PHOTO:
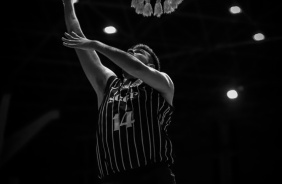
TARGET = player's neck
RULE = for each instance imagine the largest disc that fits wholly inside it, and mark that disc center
(127, 77)
(129, 80)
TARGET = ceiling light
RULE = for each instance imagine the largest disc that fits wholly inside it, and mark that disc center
(235, 10)
(258, 37)
(232, 94)
(110, 30)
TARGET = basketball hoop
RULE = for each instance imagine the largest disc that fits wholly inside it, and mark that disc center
(145, 8)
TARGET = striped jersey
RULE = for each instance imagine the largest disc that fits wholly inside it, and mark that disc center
(132, 128)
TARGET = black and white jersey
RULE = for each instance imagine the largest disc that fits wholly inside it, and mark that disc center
(132, 128)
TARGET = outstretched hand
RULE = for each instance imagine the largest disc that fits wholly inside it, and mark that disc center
(75, 41)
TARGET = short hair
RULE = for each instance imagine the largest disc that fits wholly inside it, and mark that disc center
(154, 57)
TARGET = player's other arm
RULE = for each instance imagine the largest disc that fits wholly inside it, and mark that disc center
(95, 71)
(129, 63)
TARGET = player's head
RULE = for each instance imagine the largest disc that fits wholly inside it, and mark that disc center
(146, 51)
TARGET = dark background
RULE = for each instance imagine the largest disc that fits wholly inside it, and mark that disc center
(204, 49)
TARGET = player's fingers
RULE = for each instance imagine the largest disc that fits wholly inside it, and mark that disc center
(71, 45)
(75, 35)
(69, 40)
(69, 36)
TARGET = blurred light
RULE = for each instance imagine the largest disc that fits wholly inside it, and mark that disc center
(258, 37)
(235, 10)
(75, 1)
(110, 30)
(232, 94)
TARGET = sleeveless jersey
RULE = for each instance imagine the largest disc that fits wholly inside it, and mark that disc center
(132, 128)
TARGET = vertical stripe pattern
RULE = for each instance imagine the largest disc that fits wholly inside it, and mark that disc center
(132, 128)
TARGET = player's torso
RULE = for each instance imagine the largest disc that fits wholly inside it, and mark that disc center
(131, 127)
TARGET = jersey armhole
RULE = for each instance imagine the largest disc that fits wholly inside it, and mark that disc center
(107, 88)
(109, 83)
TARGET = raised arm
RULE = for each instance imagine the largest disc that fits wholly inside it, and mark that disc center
(96, 73)
(134, 65)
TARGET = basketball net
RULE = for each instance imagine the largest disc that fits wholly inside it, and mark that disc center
(145, 8)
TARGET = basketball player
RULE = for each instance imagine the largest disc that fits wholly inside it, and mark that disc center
(134, 112)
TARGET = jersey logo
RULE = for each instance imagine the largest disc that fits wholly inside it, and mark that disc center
(118, 97)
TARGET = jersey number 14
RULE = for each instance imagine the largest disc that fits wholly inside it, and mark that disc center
(126, 120)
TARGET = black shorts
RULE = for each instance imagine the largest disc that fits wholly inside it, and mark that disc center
(149, 175)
